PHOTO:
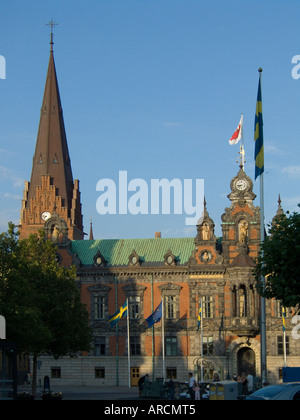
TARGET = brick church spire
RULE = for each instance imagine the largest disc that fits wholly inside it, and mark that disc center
(51, 191)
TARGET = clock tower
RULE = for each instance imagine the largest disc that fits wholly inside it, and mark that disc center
(51, 200)
(241, 221)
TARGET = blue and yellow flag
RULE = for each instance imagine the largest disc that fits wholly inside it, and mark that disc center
(258, 134)
(283, 319)
(121, 313)
(199, 316)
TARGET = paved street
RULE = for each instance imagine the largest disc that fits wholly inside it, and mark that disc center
(91, 393)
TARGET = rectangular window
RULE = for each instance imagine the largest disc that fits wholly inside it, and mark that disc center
(99, 346)
(134, 307)
(208, 346)
(135, 346)
(56, 373)
(280, 345)
(170, 307)
(171, 346)
(207, 307)
(99, 373)
(171, 372)
(99, 307)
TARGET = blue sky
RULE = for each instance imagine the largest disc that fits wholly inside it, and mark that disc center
(155, 88)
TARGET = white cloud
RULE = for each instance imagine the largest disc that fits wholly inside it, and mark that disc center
(7, 152)
(292, 171)
(273, 150)
(291, 203)
(9, 174)
(12, 196)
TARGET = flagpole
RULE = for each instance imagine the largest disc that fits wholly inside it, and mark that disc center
(201, 323)
(284, 336)
(263, 300)
(117, 336)
(242, 146)
(128, 344)
(163, 337)
(153, 342)
(284, 348)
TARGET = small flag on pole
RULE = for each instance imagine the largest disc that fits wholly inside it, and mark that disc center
(283, 319)
(121, 313)
(155, 316)
(237, 135)
(258, 133)
(199, 316)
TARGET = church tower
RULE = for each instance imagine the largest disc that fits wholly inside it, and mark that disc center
(51, 200)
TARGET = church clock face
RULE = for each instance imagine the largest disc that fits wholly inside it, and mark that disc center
(46, 215)
(241, 185)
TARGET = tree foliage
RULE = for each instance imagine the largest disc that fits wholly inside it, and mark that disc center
(40, 299)
(279, 261)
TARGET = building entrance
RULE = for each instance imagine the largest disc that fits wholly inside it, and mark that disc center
(246, 361)
(134, 376)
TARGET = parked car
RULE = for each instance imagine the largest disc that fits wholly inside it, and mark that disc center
(289, 391)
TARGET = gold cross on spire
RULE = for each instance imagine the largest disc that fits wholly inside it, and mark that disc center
(51, 24)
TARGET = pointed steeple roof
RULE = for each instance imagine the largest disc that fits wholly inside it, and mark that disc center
(279, 213)
(91, 237)
(51, 195)
(51, 154)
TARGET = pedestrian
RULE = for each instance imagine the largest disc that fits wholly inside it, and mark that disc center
(196, 389)
(27, 378)
(249, 382)
(192, 381)
(244, 383)
(216, 377)
(171, 385)
(147, 385)
(141, 384)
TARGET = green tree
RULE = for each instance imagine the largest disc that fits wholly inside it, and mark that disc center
(279, 261)
(40, 299)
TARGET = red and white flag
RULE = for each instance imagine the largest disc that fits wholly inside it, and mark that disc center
(237, 135)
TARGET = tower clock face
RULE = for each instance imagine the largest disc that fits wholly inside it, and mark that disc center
(46, 215)
(241, 185)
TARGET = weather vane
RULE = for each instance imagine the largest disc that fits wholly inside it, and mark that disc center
(51, 24)
(242, 160)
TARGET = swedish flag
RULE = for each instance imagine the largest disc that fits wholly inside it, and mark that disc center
(121, 313)
(258, 134)
(199, 316)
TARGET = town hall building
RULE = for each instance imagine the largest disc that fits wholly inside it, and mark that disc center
(215, 273)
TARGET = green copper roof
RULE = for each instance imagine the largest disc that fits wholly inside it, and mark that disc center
(117, 251)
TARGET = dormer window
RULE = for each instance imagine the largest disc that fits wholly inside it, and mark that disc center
(134, 259)
(99, 260)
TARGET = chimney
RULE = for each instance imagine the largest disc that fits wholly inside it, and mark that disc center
(157, 235)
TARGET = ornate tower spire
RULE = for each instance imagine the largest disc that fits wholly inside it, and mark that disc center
(51, 189)
(51, 24)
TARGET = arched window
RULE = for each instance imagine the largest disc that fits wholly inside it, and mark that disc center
(242, 302)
